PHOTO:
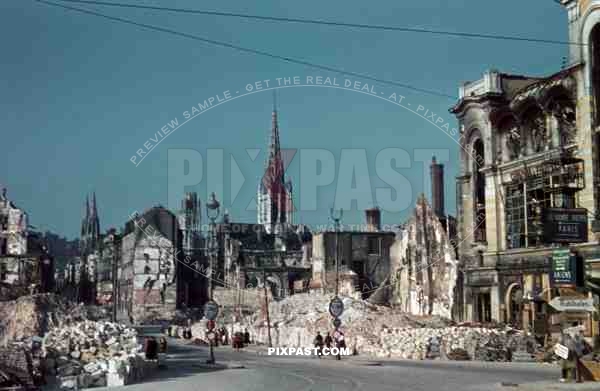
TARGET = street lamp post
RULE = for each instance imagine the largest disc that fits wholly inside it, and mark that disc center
(212, 211)
(336, 220)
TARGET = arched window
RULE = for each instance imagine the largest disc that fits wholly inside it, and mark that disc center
(535, 128)
(595, 66)
(509, 139)
(479, 190)
(563, 111)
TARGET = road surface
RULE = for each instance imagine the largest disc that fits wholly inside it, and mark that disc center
(187, 371)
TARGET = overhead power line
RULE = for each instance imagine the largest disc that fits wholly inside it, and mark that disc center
(253, 51)
(461, 34)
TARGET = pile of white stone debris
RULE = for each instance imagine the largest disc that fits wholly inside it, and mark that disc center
(385, 332)
(93, 354)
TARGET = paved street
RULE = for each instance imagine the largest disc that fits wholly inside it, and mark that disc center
(188, 371)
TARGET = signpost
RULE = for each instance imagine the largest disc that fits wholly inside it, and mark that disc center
(572, 304)
(336, 307)
(211, 310)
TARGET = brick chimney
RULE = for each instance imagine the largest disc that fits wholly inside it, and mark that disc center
(373, 217)
(437, 188)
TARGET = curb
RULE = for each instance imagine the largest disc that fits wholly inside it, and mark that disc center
(225, 365)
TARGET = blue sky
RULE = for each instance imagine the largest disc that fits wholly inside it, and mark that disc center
(80, 95)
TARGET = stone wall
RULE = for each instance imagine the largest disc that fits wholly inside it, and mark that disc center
(424, 265)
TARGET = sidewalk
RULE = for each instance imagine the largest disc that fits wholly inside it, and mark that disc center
(552, 386)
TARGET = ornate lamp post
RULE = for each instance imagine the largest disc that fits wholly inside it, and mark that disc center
(212, 211)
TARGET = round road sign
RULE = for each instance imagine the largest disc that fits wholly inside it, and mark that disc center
(337, 323)
(336, 307)
(211, 335)
(211, 310)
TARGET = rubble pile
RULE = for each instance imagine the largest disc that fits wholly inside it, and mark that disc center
(383, 331)
(12, 291)
(93, 354)
(16, 368)
(33, 315)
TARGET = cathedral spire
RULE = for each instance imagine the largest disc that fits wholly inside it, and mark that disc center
(94, 209)
(275, 146)
(87, 206)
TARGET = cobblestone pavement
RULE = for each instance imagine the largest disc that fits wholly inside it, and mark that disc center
(246, 371)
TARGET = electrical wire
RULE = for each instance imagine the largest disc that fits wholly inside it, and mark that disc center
(461, 34)
(292, 60)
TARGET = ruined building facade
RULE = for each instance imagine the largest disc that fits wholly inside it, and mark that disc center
(363, 259)
(150, 248)
(527, 145)
(424, 264)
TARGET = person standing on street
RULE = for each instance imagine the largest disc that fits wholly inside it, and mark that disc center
(567, 365)
(246, 337)
(581, 349)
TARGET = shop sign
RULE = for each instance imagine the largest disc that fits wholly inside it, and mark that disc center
(562, 225)
(563, 267)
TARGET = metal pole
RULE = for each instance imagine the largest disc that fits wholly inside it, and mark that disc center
(267, 307)
(336, 221)
(211, 359)
(337, 266)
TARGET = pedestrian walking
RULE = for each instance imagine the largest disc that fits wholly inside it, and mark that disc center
(318, 342)
(246, 337)
(328, 341)
(237, 341)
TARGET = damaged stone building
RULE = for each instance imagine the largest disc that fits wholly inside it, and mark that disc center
(425, 276)
(274, 248)
(425, 264)
(529, 147)
(363, 259)
(250, 254)
(27, 257)
(149, 247)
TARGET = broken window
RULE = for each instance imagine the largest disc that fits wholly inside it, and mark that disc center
(374, 246)
(551, 185)
(510, 136)
(563, 111)
(535, 126)
(479, 187)
(515, 216)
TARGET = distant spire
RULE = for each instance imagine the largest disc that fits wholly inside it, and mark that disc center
(94, 209)
(87, 206)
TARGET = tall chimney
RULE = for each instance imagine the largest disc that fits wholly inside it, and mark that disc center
(373, 216)
(437, 188)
